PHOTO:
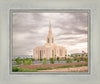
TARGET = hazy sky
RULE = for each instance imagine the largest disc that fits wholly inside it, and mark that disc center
(31, 29)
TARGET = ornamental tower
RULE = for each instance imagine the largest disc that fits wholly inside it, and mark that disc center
(50, 38)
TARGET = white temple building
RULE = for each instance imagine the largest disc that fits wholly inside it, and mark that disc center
(49, 49)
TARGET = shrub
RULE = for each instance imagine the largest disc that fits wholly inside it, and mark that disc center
(86, 60)
(40, 59)
(27, 62)
(17, 69)
(86, 55)
(69, 60)
(45, 61)
(32, 59)
(57, 58)
(18, 61)
(21, 59)
(27, 58)
(82, 55)
(78, 60)
(52, 60)
(75, 59)
(71, 55)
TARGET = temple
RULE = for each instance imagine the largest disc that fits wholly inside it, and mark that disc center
(49, 49)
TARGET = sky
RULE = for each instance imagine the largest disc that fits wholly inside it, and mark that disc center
(31, 29)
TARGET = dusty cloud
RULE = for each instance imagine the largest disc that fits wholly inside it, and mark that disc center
(31, 29)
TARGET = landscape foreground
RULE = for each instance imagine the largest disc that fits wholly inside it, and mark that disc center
(66, 67)
(68, 64)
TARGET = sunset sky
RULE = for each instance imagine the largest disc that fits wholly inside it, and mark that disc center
(31, 29)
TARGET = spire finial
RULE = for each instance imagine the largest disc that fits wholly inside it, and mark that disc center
(50, 31)
(49, 23)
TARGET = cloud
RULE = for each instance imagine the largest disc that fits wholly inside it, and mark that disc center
(31, 29)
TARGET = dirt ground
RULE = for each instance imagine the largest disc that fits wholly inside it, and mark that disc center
(76, 69)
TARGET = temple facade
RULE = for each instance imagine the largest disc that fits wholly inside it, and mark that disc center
(49, 49)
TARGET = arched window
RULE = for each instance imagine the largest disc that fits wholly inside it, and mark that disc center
(60, 52)
(52, 53)
(40, 54)
(48, 40)
(52, 40)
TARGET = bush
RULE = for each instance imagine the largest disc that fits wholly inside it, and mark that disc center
(45, 61)
(57, 58)
(82, 55)
(18, 60)
(32, 59)
(86, 60)
(27, 61)
(72, 55)
(69, 60)
(21, 59)
(40, 59)
(51, 60)
(75, 59)
(17, 69)
(78, 60)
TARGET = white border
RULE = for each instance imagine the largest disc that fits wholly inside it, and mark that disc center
(6, 78)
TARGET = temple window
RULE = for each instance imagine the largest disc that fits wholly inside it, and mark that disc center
(60, 52)
(52, 53)
(48, 40)
(40, 53)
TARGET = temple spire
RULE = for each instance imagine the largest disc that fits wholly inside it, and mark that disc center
(50, 31)
(50, 38)
(50, 24)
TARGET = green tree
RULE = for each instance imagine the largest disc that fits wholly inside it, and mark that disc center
(69, 60)
(86, 59)
(71, 55)
(40, 59)
(78, 59)
(27, 61)
(18, 61)
(75, 59)
(82, 55)
(52, 60)
(27, 58)
(86, 55)
(57, 58)
(32, 59)
(45, 61)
